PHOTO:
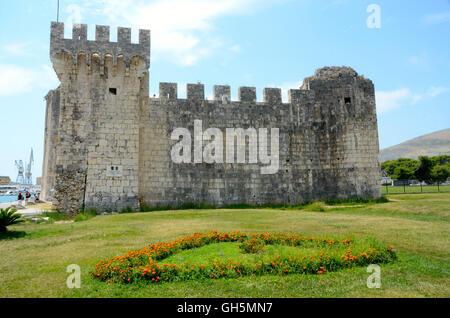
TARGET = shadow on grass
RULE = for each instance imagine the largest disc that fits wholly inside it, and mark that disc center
(9, 235)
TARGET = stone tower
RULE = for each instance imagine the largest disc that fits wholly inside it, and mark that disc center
(92, 139)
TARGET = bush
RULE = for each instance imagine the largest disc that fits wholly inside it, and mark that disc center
(8, 217)
(194, 205)
(127, 209)
(316, 207)
(55, 216)
(147, 208)
(86, 215)
(312, 206)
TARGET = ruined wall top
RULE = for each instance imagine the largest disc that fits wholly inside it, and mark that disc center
(323, 77)
(335, 71)
(102, 44)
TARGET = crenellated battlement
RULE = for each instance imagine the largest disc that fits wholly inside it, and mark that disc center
(102, 46)
(222, 93)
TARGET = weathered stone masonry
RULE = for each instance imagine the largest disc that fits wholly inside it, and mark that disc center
(107, 144)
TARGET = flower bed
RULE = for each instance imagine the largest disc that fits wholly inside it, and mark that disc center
(142, 265)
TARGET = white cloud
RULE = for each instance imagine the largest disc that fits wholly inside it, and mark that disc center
(421, 60)
(235, 48)
(389, 100)
(436, 18)
(16, 49)
(435, 91)
(15, 79)
(74, 14)
(182, 30)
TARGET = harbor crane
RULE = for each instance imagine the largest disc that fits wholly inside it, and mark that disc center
(28, 174)
(20, 178)
(24, 176)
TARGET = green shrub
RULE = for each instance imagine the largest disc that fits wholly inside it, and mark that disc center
(127, 209)
(185, 206)
(55, 216)
(193, 205)
(381, 199)
(8, 217)
(316, 207)
(147, 208)
(86, 215)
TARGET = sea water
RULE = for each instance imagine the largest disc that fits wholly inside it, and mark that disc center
(7, 198)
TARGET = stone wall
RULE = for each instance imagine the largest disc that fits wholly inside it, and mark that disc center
(50, 140)
(328, 143)
(108, 145)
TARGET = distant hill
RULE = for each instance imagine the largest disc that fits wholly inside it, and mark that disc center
(437, 143)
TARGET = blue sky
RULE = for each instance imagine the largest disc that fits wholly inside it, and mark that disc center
(262, 43)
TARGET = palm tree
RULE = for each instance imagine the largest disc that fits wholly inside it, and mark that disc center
(8, 217)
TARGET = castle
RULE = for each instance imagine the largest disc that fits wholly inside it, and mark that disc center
(108, 145)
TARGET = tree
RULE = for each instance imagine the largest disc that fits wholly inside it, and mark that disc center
(389, 166)
(8, 217)
(440, 160)
(402, 173)
(423, 172)
(439, 174)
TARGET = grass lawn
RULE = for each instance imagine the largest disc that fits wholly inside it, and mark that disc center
(33, 258)
(230, 251)
(415, 189)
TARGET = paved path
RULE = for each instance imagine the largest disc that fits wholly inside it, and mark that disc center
(29, 210)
